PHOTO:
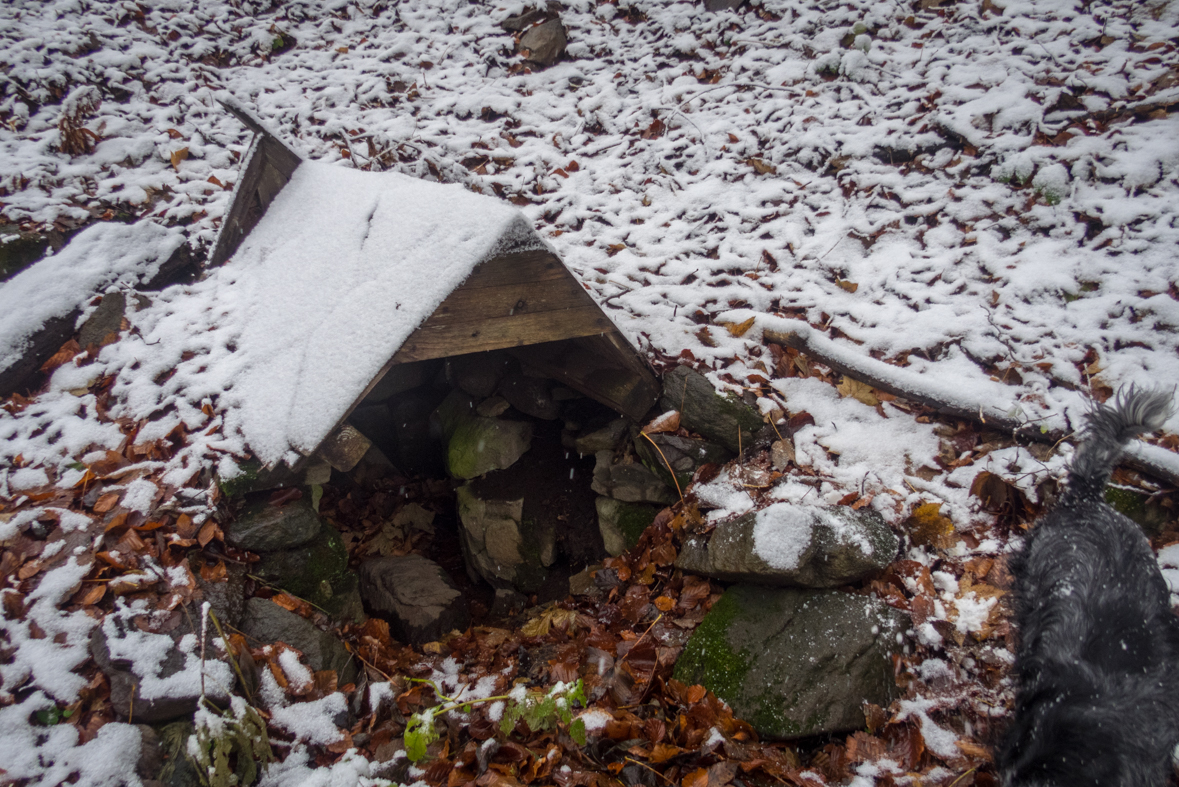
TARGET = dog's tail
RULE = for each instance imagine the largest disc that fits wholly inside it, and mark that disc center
(1134, 412)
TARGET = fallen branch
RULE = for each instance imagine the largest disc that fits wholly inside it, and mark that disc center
(901, 382)
(1157, 462)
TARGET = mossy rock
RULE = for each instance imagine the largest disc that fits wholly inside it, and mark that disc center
(256, 478)
(19, 249)
(1149, 514)
(723, 419)
(345, 604)
(312, 571)
(264, 527)
(623, 524)
(795, 662)
(793, 545)
(683, 454)
(477, 445)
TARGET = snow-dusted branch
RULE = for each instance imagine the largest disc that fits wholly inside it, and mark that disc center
(914, 387)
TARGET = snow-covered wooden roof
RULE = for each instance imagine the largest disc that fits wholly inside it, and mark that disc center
(347, 273)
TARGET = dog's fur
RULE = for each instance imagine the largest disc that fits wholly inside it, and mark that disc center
(1097, 698)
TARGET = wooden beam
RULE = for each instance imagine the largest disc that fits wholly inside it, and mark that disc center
(439, 339)
(603, 367)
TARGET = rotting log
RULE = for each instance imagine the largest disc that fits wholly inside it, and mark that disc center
(57, 331)
(877, 374)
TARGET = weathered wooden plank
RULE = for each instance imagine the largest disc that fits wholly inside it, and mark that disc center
(268, 170)
(473, 305)
(603, 367)
(519, 267)
(438, 339)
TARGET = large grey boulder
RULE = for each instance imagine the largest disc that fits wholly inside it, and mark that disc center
(476, 445)
(267, 622)
(499, 545)
(156, 677)
(263, 527)
(790, 544)
(622, 524)
(629, 481)
(421, 600)
(795, 662)
(708, 413)
(683, 454)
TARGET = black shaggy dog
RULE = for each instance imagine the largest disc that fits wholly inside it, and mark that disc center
(1097, 699)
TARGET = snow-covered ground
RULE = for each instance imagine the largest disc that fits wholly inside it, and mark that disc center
(984, 193)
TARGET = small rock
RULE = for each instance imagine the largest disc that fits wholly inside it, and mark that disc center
(607, 438)
(267, 622)
(344, 447)
(373, 466)
(155, 677)
(728, 421)
(493, 407)
(531, 396)
(795, 662)
(629, 481)
(421, 599)
(790, 544)
(622, 524)
(722, 5)
(782, 454)
(105, 320)
(508, 602)
(263, 527)
(317, 473)
(583, 583)
(544, 44)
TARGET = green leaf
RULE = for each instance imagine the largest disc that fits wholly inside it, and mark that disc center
(577, 732)
(49, 717)
(420, 733)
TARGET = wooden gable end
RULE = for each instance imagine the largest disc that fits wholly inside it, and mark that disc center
(513, 300)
